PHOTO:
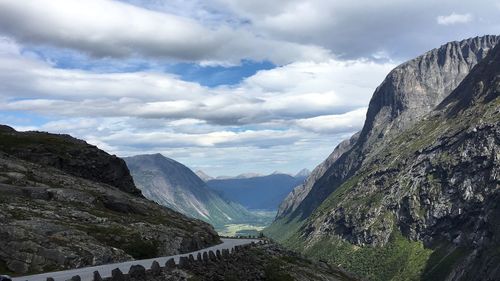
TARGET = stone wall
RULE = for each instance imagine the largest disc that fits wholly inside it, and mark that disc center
(171, 270)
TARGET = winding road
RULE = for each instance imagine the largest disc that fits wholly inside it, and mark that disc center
(87, 273)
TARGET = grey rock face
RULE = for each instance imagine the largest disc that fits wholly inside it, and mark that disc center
(293, 199)
(438, 183)
(408, 93)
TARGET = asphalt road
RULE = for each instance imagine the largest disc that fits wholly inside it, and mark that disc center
(87, 273)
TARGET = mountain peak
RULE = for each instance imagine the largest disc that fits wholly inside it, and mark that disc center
(304, 173)
(202, 175)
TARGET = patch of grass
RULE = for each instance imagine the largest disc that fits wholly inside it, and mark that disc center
(283, 229)
(121, 238)
(140, 249)
(273, 271)
(240, 230)
(441, 262)
(4, 270)
(401, 259)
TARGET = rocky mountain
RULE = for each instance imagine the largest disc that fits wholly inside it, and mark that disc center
(261, 263)
(297, 195)
(408, 92)
(202, 175)
(174, 185)
(256, 193)
(304, 173)
(416, 195)
(58, 211)
(70, 155)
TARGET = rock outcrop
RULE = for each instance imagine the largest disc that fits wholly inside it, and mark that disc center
(51, 219)
(71, 155)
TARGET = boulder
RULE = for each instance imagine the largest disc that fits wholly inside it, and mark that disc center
(117, 275)
(137, 272)
(170, 264)
(155, 268)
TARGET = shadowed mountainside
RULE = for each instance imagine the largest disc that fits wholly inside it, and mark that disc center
(174, 185)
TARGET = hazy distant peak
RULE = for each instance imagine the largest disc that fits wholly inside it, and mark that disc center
(202, 175)
(247, 175)
(304, 173)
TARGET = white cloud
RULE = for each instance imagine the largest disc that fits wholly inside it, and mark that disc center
(297, 90)
(264, 119)
(454, 18)
(354, 29)
(342, 123)
(105, 28)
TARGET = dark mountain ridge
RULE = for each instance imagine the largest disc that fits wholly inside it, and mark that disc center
(70, 155)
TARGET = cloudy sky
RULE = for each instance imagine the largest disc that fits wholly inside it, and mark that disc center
(226, 86)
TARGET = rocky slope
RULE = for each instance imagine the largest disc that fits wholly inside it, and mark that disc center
(73, 156)
(408, 92)
(257, 262)
(174, 185)
(51, 219)
(256, 193)
(423, 203)
(294, 198)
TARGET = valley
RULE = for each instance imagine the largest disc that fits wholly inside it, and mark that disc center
(173, 140)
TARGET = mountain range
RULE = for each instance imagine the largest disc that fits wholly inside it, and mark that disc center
(174, 185)
(415, 194)
(257, 192)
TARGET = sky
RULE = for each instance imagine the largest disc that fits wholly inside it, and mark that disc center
(225, 86)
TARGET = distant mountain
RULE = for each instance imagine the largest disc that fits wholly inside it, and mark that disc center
(202, 175)
(174, 185)
(256, 193)
(304, 173)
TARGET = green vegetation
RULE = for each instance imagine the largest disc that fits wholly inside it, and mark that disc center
(122, 238)
(273, 271)
(250, 226)
(401, 259)
(441, 262)
(240, 230)
(4, 269)
(281, 230)
(140, 249)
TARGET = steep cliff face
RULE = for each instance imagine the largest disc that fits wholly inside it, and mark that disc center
(174, 185)
(294, 198)
(51, 219)
(68, 154)
(407, 94)
(426, 204)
